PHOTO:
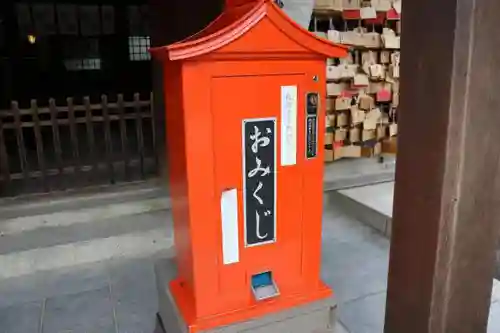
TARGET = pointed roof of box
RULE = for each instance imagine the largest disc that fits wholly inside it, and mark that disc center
(231, 32)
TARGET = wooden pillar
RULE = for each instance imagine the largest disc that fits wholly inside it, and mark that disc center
(447, 195)
(172, 21)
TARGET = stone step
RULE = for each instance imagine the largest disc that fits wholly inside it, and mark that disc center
(61, 230)
(371, 205)
(129, 245)
(140, 194)
(52, 234)
(80, 216)
(59, 240)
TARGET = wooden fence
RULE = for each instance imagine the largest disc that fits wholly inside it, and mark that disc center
(57, 147)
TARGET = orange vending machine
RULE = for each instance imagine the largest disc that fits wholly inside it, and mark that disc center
(245, 130)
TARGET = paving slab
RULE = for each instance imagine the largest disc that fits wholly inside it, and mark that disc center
(23, 318)
(134, 295)
(340, 328)
(90, 311)
(365, 315)
(50, 284)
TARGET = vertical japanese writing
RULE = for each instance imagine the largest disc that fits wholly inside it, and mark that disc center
(312, 100)
(289, 110)
(311, 132)
(259, 175)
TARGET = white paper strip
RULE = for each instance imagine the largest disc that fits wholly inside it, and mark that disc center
(288, 125)
(229, 215)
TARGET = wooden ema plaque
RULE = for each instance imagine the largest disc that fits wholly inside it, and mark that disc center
(245, 127)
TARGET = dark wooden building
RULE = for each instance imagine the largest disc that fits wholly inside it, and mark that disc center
(56, 50)
(76, 83)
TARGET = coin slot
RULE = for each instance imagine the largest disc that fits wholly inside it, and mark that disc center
(263, 286)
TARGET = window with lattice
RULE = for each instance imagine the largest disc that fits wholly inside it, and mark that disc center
(82, 54)
(138, 48)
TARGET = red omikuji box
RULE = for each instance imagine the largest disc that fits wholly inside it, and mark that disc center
(245, 128)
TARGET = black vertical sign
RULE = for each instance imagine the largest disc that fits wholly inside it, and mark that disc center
(312, 125)
(259, 180)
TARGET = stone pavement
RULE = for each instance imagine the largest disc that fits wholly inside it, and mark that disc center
(372, 205)
(120, 295)
(113, 296)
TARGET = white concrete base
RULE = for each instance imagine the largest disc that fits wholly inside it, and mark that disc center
(316, 317)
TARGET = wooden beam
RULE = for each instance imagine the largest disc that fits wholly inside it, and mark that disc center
(446, 206)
